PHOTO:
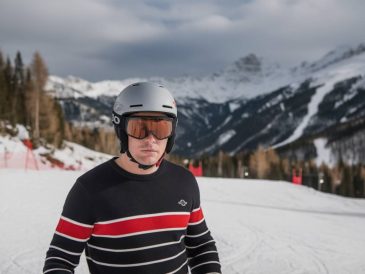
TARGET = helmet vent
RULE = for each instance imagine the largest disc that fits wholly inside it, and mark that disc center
(135, 85)
(166, 106)
(134, 106)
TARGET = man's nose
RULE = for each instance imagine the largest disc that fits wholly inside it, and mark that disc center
(151, 137)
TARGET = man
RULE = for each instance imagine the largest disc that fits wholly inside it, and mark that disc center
(137, 213)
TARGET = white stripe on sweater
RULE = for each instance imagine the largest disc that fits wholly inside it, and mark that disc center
(137, 264)
(70, 237)
(210, 262)
(62, 259)
(142, 216)
(198, 235)
(213, 251)
(196, 223)
(75, 222)
(54, 269)
(200, 244)
(176, 270)
(137, 248)
(138, 233)
(65, 251)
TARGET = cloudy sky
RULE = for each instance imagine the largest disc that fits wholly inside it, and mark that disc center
(114, 39)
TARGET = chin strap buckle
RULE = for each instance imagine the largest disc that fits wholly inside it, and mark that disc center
(142, 166)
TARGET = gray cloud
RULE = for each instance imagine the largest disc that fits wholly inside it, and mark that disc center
(113, 39)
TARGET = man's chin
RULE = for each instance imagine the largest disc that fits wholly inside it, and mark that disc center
(148, 160)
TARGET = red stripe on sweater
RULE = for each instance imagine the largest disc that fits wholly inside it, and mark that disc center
(143, 224)
(74, 230)
(196, 216)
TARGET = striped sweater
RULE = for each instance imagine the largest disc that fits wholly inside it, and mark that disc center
(129, 223)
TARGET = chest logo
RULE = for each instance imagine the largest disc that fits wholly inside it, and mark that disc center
(182, 202)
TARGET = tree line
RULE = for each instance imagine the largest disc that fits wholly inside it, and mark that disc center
(23, 100)
(265, 163)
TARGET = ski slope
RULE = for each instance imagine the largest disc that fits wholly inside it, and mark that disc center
(260, 226)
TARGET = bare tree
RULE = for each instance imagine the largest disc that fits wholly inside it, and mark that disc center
(39, 74)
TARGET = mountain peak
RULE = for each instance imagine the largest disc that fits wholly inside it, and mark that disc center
(250, 63)
(250, 69)
(246, 69)
(337, 55)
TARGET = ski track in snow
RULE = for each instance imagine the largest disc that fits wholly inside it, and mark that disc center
(260, 226)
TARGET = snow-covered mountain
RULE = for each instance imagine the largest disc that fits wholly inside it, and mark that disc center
(248, 103)
(247, 77)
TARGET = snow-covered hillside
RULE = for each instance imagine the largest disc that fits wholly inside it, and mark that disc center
(260, 226)
(15, 154)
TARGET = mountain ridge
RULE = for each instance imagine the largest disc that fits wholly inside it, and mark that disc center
(283, 105)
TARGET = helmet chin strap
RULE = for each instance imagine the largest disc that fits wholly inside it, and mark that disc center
(142, 166)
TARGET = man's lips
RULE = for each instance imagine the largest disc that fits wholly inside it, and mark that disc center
(149, 150)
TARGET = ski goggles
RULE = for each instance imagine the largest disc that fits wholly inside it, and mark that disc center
(141, 127)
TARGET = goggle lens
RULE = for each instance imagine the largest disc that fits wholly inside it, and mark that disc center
(141, 127)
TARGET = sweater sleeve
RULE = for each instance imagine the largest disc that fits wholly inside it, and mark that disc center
(200, 245)
(72, 232)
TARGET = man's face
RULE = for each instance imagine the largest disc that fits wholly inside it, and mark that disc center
(149, 150)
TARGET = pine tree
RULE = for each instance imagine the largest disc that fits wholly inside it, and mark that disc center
(2, 63)
(3, 91)
(7, 74)
(18, 106)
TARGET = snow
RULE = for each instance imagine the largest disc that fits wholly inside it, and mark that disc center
(14, 154)
(348, 96)
(324, 154)
(260, 226)
(359, 85)
(229, 118)
(77, 87)
(282, 106)
(75, 154)
(224, 137)
(355, 89)
(22, 132)
(233, 106)
(245, 115)
(340, 53)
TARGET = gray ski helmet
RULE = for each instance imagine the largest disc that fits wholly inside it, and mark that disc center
(142, 97)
